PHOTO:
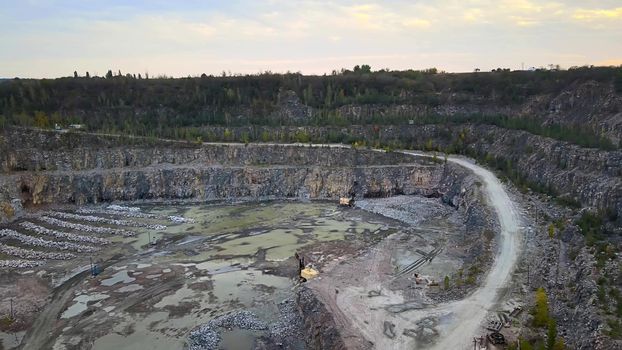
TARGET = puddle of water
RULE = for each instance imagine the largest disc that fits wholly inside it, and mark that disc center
(241, 286)
(141, 338)
(11, 340)
(129, 288)
(120, 276)
(238, 339)
(174, 299)
(80, 304)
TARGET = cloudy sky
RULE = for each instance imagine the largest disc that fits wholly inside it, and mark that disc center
(188, 37)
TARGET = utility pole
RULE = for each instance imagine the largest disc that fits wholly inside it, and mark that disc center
(12, 315)
(536, 215)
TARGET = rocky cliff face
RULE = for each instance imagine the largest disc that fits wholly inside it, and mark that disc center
(589, 104)
(52, 168)
(590, 176)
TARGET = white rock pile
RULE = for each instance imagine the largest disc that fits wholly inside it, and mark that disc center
(33, 254)
(19, 264)
(135, 214)
(64, 235)
(39, 242)
(125, 214)
(85, 228)
(107, 221)
(116, 207)
(180, 220)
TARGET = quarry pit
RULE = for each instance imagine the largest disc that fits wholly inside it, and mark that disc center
(199, 253)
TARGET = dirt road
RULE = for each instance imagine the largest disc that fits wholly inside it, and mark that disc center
(464, 317)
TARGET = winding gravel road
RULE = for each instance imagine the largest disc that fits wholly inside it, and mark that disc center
(464, 317)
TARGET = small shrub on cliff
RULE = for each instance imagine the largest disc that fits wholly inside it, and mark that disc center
(551, 230)
(245, 137)
(615, 329)
(559, 344)
(6, 322)
(302, 137)
(7, 209)
(591, 226)
(227, 134)
(446, 282)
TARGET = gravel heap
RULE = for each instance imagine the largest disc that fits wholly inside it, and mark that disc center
(64, 235)
(39, 242)
(20, 264)
(134, 214)
(289, 323)
(207, 336)
(123, 208)
(123, 213)
(85, 228)
(33, 254)
(108, 221)
(180, 220)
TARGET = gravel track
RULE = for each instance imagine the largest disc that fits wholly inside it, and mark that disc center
(467, 315)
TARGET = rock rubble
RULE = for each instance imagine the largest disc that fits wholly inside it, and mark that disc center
(64, 235)
(108, 221)
(39, 242)
(33, 254)
(85, 228)
(19, 264)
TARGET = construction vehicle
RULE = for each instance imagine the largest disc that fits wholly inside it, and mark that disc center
(346, 201)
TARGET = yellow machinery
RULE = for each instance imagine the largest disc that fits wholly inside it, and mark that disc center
(309, 273)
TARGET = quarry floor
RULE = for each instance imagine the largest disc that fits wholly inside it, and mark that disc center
(211, 260)
(376, 308)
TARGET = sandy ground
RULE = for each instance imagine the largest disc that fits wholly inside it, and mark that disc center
(370, 314)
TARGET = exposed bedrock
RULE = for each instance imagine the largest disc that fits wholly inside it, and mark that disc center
(206, 183)
(588, 175)
(48, 168)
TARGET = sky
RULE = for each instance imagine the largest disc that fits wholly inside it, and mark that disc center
(47, 39)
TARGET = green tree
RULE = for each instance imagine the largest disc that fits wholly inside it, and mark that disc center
(41, 120)
(541, 309)
(245, 137)
(559, 344)
(109, 74)
(446, 282)
(551, 334)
